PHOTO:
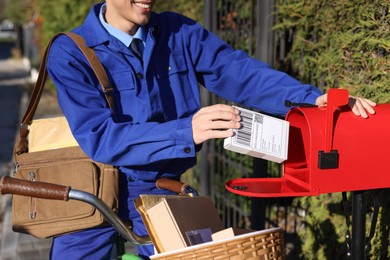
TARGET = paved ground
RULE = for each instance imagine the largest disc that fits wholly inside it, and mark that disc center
(14, 78)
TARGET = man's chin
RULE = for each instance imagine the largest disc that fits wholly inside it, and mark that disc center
(143, 21)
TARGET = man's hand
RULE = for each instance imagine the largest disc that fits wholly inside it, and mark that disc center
(360, 106)
(215, 121)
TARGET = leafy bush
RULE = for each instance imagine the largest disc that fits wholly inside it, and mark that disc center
(340, 44)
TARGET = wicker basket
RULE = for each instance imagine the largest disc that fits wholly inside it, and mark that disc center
(265, 244)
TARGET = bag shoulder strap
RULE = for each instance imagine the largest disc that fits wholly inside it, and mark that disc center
(97, 67)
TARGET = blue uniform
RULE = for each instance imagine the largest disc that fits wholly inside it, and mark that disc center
(151, 134)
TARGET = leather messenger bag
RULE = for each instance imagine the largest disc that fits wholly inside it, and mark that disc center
(59, 159)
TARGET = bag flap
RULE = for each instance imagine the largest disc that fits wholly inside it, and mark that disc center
(50, 133)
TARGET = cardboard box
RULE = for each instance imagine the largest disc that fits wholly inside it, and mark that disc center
(229, 233)
(145, 218)
(261, 136)
(184, 221)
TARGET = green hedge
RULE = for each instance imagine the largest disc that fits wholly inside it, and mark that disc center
(340, 43)
(67, 15)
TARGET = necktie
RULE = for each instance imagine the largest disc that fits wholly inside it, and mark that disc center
(135, 46)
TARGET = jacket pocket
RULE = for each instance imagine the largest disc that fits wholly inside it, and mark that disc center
(124, 80)
(171, 64)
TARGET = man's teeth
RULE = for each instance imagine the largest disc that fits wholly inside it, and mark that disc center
(143, 5)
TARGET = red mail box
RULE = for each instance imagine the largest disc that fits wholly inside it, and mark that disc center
(330, 150)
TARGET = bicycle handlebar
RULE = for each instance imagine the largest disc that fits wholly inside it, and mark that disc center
(41, 190)
(51, 191)
(175, 186)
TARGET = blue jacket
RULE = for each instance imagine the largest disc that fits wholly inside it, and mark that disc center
(151, 135)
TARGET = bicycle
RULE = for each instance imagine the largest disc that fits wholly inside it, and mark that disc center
(267, 244)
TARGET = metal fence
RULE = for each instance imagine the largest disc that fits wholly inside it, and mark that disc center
(246, 25)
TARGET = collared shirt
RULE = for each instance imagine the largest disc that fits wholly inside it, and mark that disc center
(125, 38)
(151, 134)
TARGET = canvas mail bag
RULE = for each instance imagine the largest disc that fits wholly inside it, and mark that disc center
(55, 157)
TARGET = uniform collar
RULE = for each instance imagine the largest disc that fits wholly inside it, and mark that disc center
(125, 38)
(94, 32)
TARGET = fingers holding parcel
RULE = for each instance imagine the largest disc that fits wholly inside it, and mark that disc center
(222, 117)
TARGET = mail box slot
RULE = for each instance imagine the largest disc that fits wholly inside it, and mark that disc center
(330, 150)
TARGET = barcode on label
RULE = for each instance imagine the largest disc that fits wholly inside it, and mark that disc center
(260, 136)
(244, 134)
(259, 118)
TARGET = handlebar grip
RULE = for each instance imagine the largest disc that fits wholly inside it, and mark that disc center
(34, 189)
(171, 185)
